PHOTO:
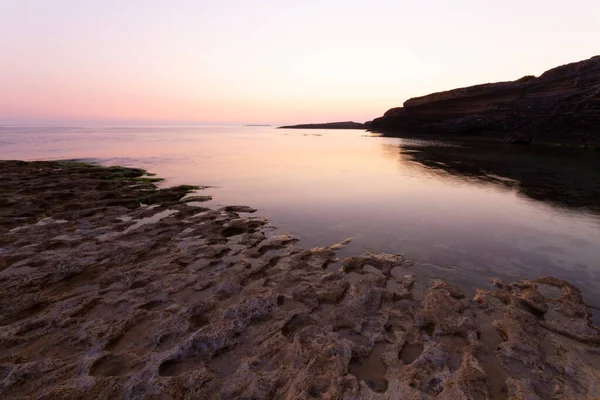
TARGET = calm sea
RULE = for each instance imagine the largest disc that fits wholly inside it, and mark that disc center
(464, 213)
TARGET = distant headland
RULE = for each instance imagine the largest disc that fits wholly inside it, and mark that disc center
(560, 106)
(328, 125)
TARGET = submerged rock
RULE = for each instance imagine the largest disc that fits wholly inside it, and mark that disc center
(239, 209)
(205, 304)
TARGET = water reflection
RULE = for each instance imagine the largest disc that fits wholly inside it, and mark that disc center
(566, 178)
(464, 213)
(503, 211)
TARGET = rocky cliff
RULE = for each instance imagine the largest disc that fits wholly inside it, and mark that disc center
(562, 105)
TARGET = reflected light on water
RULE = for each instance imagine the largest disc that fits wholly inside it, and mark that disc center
(462, 213)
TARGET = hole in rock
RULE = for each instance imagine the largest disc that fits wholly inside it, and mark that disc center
(488, 334)
(372, 369)
(176, 367)
(138, 284)
(549, 292)
(296, 323)
(198, 321)
(165, 341)
(429, 329)
(108, 366)
(410, 352)
(496, 375)
(169, 368)
(332, 266)
(274, 260)
(539, 315)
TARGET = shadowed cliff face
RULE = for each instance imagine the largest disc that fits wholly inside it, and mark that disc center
(559, 177)
(562, 105)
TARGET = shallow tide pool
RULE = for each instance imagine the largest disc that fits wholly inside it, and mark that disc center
(461, 212)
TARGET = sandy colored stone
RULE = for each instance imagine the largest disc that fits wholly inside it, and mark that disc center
(187, 307)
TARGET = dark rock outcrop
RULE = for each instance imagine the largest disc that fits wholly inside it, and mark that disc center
(562, 105)
(328, 125)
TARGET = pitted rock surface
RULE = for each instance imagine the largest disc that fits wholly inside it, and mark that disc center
(105, 299)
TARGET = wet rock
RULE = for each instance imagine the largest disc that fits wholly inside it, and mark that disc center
(167, 195)
(239, 209)
(445, 315)
(240, 226)
(454, 291)
(199, 199)
(383, 262)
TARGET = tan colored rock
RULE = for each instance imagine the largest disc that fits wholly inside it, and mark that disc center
(182, 308)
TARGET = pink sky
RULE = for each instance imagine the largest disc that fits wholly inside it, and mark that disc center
(189, 61)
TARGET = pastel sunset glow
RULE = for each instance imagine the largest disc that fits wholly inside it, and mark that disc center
(190, 61)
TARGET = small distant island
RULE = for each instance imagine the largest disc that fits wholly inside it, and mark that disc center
(329, 125)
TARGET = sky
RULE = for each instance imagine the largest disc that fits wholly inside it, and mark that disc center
(151, 62)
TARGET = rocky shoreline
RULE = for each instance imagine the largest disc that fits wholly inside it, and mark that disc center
(113, 288)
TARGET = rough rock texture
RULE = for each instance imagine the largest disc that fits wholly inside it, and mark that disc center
(173, 301)
(328, 125)
(562, 105)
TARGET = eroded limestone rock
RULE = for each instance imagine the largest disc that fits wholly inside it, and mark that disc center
(204, 303)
